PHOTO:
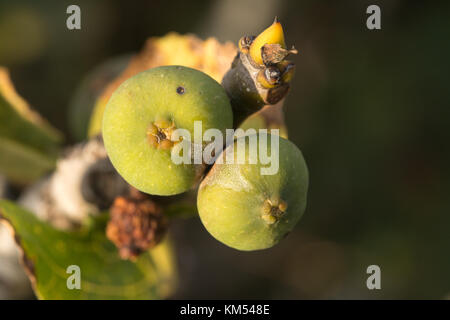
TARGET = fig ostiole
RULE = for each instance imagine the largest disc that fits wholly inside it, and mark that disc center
(141, 116)
(247, 210)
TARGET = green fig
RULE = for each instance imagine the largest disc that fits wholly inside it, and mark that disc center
(142, 116)
(246, 209)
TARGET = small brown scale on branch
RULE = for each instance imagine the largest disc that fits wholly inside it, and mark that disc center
(259, 75)
(136, 224)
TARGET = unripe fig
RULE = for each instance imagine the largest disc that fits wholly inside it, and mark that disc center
(142, 115)
(247, 210)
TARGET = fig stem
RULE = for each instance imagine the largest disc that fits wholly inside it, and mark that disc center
(247, 90)
(240, 85)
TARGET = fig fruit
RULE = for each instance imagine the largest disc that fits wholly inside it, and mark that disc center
(143, 113)
(247, 210)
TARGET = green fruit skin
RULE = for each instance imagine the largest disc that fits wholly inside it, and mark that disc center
(231, 198)
(150, 96)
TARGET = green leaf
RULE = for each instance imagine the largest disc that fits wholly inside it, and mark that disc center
(21, 163)
(48, 253)
(28, 145)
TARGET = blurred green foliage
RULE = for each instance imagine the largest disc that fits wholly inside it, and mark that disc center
(49, 253)
(28, 145)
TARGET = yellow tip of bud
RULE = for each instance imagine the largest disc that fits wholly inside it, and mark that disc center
(272, 35)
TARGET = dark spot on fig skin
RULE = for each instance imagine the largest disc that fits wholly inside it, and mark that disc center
(161, 135)
(180, 90)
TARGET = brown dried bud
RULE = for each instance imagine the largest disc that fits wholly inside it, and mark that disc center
(245, 42)
(274, 53)
(136, 224)
(269, 77)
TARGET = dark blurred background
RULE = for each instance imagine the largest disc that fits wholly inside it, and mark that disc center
(369, 109)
